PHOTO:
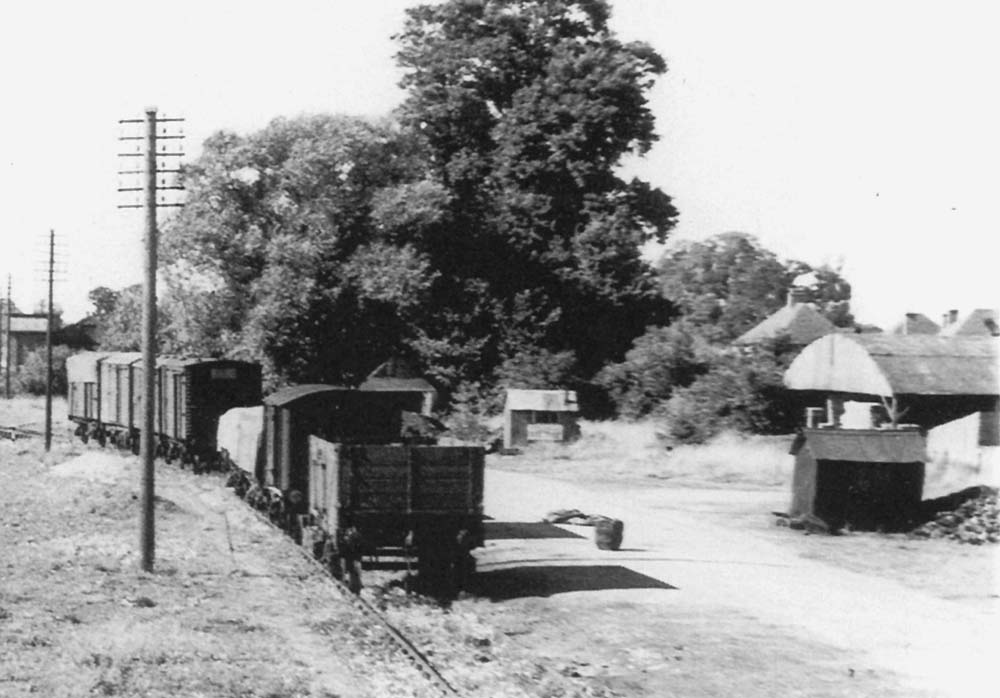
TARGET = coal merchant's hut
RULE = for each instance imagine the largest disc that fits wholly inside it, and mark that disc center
(866, 479)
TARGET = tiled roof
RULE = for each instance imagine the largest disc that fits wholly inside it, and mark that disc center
(800, 322)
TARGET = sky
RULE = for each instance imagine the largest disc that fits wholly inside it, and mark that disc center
(858, 134)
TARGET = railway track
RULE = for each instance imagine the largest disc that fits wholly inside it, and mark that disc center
(396, 636)
(15, 433)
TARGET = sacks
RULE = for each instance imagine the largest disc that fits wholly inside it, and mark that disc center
(608, 533)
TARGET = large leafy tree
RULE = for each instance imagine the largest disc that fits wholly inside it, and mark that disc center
(726, 284)
(526, 107)
(281, 257)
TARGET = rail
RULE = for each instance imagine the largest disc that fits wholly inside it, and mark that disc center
(402, 643)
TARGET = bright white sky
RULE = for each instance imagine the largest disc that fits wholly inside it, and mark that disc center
(858, 132)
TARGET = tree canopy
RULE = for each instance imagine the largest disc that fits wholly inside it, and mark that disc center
(526, 109)
(727, 283)
(280, 258)
(484, 232)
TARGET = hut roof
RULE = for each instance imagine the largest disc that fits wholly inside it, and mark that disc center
(915, 323)
(881, 364)
(541, 400)
(801, 322)
(980, 322)
(863, 445)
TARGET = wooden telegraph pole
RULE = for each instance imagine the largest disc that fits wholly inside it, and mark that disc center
(48, 344)
(150, 187)
(6, 339)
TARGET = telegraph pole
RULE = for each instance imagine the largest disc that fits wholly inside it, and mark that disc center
(6, 340)
(48, 344)
(149, 189)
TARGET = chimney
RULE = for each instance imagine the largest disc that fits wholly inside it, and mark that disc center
(952, 317)
(797, 294)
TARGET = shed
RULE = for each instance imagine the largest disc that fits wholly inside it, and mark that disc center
(539, 415)
(935, 379)
(867, 479)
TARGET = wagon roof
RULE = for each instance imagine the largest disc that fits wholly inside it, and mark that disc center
(82, 367)
(863, 445)
(285, 396)
(881, 364)
(175, 361)
(397, 385)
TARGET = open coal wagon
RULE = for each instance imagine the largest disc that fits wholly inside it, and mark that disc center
(425, 502)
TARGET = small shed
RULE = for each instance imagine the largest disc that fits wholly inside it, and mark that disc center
(868, 479)
(539, 415)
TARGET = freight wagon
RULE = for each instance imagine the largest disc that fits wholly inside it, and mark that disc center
(425, 501)
(336, 467)
(105, 400)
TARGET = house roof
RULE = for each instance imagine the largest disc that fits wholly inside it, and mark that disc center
(915, 323)
(800, 322)
(863, 445)
(541, 400)
(980, 322)
(884, 365)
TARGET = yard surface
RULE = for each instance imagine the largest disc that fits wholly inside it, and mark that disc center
(706, 598)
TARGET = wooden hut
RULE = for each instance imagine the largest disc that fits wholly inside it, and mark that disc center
(867, 479)
(539, 415)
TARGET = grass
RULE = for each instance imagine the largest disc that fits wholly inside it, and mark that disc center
(632, 452)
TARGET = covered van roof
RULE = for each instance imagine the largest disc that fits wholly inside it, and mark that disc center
(297, 392)
(885, 365)
(863, 445)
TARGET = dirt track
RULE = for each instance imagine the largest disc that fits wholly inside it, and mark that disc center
(677, 564)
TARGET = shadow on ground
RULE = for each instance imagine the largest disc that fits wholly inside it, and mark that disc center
(546, 580)
(515, 530)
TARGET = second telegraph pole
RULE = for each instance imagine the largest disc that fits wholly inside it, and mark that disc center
(146, 448)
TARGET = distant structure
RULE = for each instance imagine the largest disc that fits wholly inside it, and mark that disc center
(798, 321)
(26, 334)
(539, 415)
(915, 323)
(982, 322)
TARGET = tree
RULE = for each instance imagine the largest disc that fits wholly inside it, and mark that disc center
(661, 360)
(726, 284)
(742, 390)
(32, 376)
(104, 300)
(284, 260)
(526, 108)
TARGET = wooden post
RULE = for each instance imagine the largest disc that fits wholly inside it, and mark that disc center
(146, 445)
(48, 346)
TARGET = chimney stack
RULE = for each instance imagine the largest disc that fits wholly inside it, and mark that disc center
(797, 294)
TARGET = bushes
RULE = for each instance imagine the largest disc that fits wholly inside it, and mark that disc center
(659, 362)
(31, 376)
(742, 391)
